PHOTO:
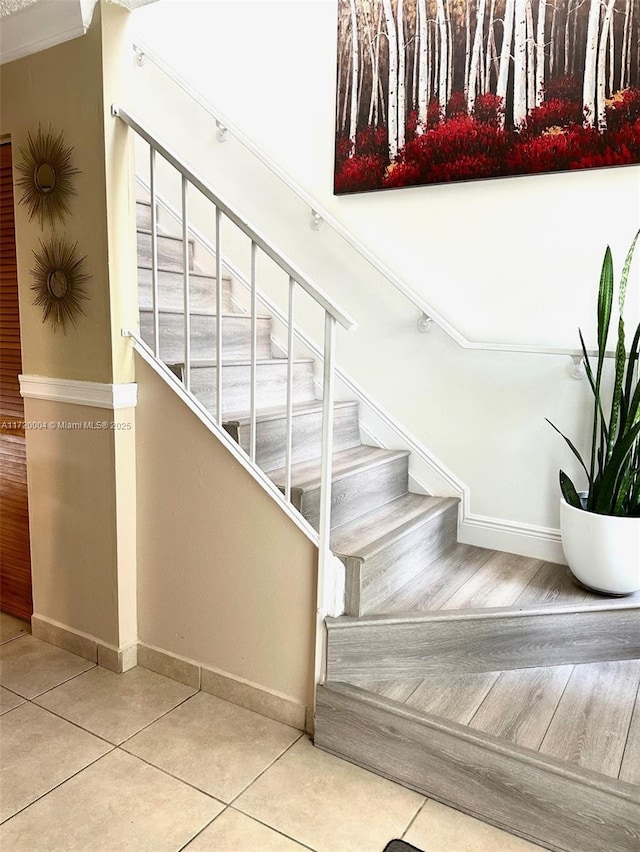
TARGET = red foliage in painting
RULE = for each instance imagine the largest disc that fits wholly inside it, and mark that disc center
(488, 108)
(402, 174)
(343, 149)
(623, 108)
(433, 112)
(412, 125)
(358, 174)
(467, 147)
(457, 104)
(628, 138)
(457, 149)
(566, 88)
(371, 141)
(554, 113)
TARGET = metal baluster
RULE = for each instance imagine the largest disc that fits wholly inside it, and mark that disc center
(186, 294)
(154, 251)
(289, 429)
(324, 554)
(254, 348)
(219, 316)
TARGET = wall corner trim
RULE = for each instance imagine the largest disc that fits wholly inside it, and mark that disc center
(74, 392)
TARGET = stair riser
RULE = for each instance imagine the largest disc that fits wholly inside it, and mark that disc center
(479, 642)
(169, 252)
(271, 385)
(236, 336)
(202, 291)
(355, 494)
(370, 583)
(307, 437)
(529, 797)
(143, 216)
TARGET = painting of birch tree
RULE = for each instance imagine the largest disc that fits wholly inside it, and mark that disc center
(431, 91)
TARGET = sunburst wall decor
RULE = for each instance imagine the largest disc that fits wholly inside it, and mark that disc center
(58, 282)
(45, 176)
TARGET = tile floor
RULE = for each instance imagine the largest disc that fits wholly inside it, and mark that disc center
(98, 762)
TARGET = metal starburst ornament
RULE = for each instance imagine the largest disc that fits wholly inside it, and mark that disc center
(58, 282)
(45, 176)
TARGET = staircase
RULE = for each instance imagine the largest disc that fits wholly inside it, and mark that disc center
(489, 681)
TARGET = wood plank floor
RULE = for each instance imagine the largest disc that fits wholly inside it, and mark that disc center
(587, 714)
(469, 577)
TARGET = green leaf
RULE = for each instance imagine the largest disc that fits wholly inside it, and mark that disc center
(631, 365)
(572, 448)
(625, 272)
(621, 359)
(613, 470)
(622, 490)
(605, 300)
(568, 491)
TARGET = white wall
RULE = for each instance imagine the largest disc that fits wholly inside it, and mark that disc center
(510, 260)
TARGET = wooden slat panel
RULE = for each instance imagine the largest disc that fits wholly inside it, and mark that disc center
(592, 721)
(15, 559)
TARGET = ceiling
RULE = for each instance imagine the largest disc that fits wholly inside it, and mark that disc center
(29, 26)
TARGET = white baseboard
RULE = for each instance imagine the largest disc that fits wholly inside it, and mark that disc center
(523, 539)
(84, 645)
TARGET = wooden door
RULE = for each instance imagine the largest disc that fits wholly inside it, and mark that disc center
(15, 558)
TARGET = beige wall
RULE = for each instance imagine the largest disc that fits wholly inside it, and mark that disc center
(224, 577)
(62, 88)
(73, 516)
(81, 482)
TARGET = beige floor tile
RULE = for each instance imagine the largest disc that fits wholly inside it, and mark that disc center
(214, 745)
(9, 700)
(235, 832)
(115, 706)
(30, 667)
(119, 803)
(442, 829)
(329, 804)
(39, 751)
(10, 627)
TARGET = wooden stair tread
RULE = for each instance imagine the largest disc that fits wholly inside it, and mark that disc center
(579, 714)
(207, 312)
(561, 804)
(193, 273)
(278, 412)
(306, 475)
(371, 532)
(147, 233)
(236, 362)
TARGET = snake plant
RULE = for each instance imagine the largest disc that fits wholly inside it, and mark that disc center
(613, 473)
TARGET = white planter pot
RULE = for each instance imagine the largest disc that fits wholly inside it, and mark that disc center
(602, 551)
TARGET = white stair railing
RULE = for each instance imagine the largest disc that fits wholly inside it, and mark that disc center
(429, 316)
(333, 316)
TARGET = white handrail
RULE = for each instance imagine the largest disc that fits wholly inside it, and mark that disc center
(320, 213)
(387, 419)
(288, 266)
